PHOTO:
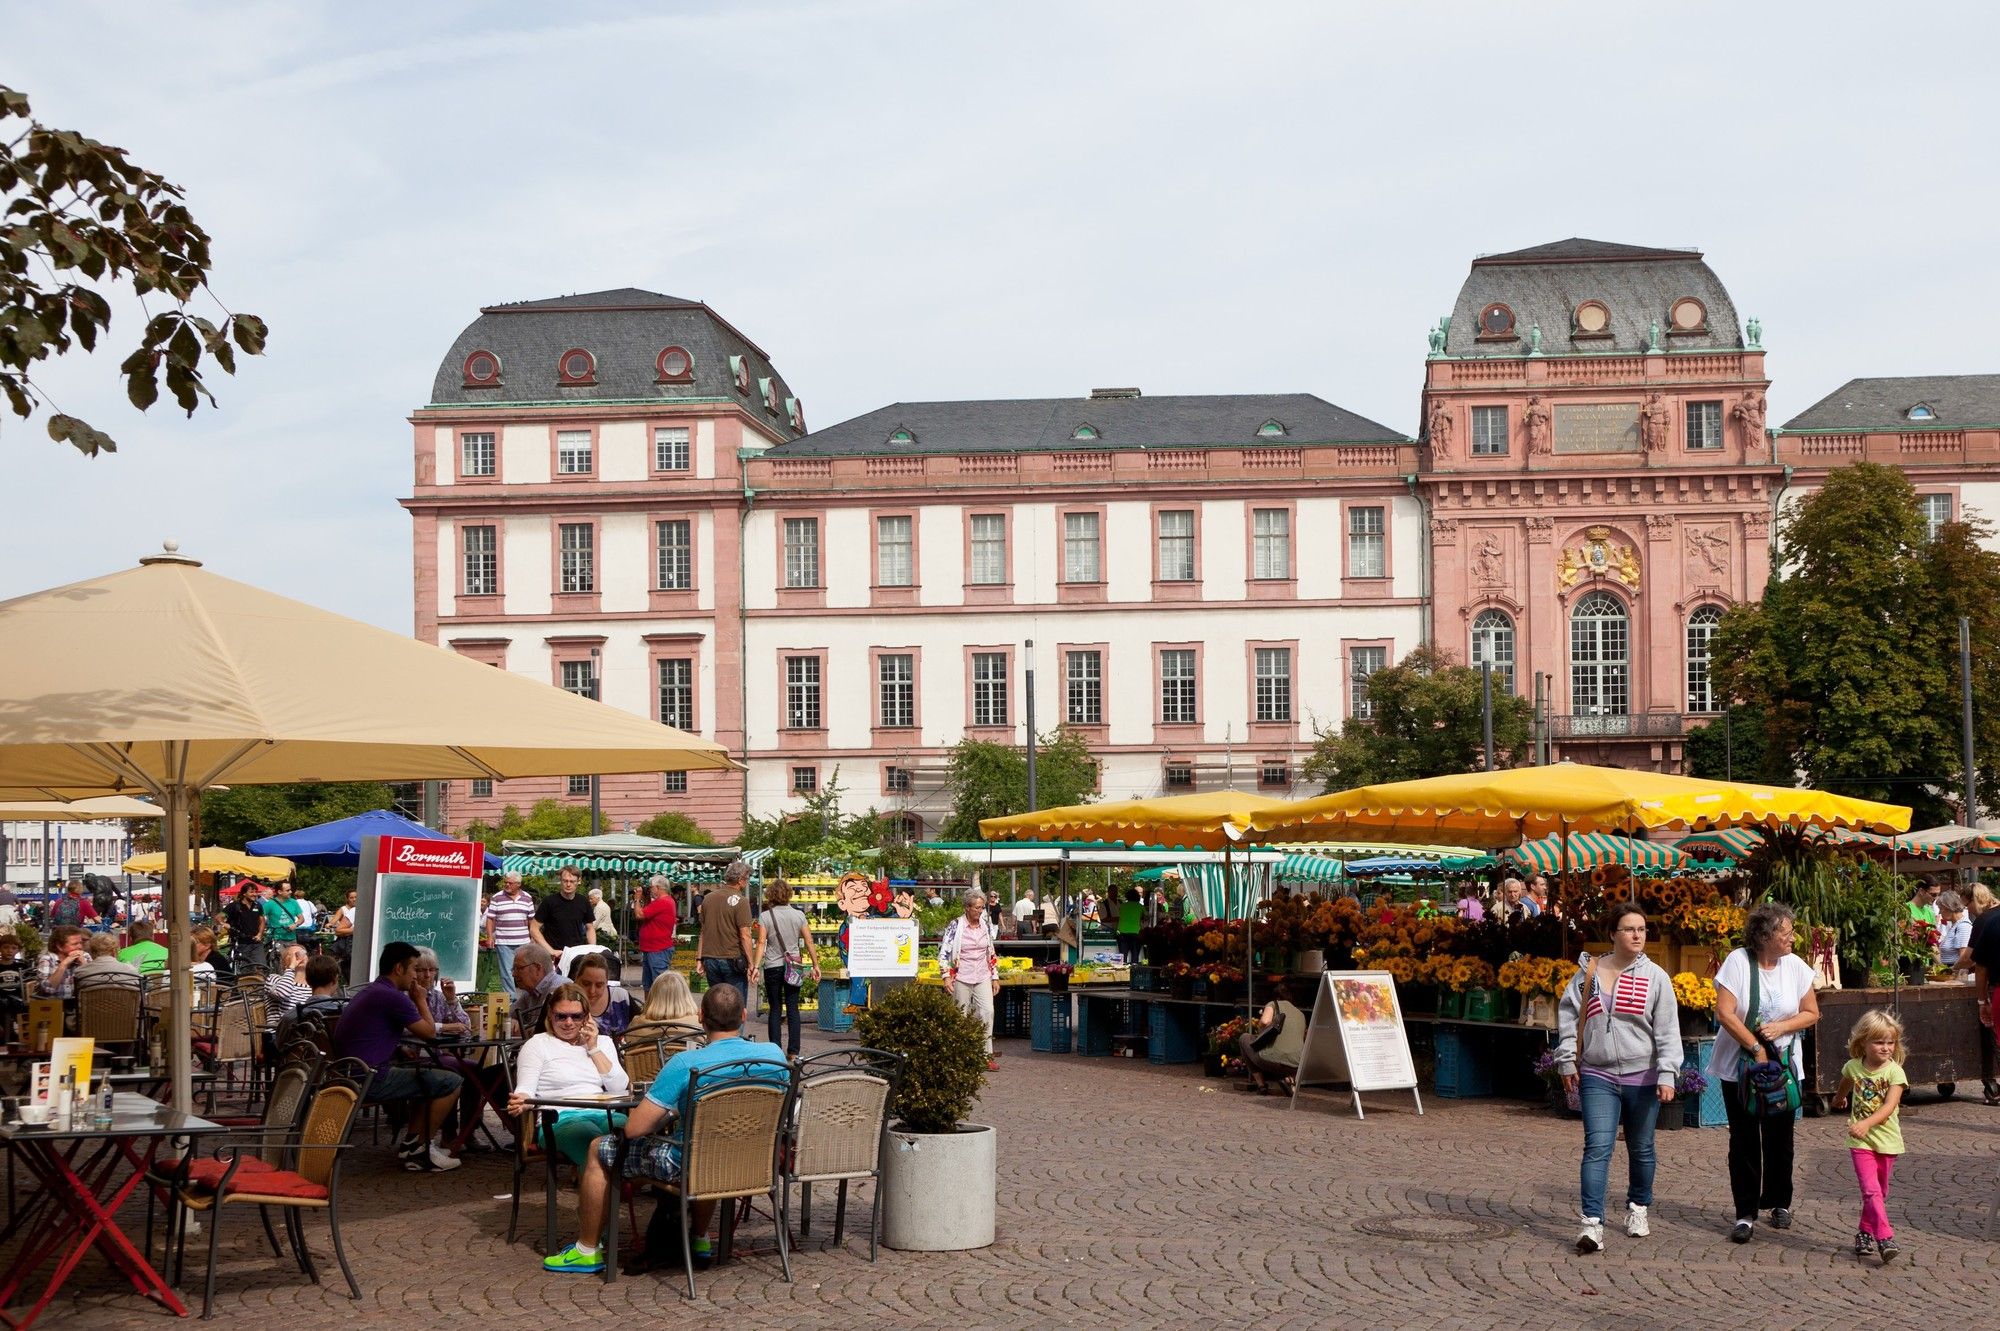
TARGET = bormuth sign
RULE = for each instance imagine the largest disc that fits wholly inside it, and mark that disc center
(421, 892)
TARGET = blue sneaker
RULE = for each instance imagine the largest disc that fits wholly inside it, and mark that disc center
(572, 1262)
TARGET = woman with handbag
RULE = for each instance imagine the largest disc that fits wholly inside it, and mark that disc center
(1618, 1047)
(786, 965)
(970, 964)
(1763, 998)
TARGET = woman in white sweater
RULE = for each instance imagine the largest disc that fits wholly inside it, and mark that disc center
(568, 1059)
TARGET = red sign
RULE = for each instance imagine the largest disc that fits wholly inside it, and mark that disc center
(444, 859)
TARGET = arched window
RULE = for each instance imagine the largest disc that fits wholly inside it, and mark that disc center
(1600, 678)
(1702, 625)
(1493, 640)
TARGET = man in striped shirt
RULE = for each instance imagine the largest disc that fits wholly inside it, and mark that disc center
(507, 917)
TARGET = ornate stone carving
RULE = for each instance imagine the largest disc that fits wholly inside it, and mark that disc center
(1755, 340)
(1597, 557)
(1659, 526)
(1489, 560)
(1709, 546)
(1757, 523)
(1541, 530)
(1444, 527)
(1653, 337)
(1750, 412)
(1439, 432)
(1437, 342)
(1536, 418)
(1653, 424)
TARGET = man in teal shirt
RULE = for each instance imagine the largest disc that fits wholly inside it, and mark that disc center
(658, 1158)
(282, 916)
(144, 952)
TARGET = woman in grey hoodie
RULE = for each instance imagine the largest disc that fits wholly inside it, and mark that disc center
(1619, 1045)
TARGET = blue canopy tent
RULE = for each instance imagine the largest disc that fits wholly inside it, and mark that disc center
(338, 843)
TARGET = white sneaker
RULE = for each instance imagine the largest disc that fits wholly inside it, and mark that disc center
(442, 1159)
(1635, 1221)
(1592, 1237)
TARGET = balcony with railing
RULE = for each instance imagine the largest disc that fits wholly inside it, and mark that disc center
(1620, 725)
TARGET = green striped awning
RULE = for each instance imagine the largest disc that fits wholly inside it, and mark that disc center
(677, 872)
(1311, 868)
(1731, 843)
(1735, 842)
(1588, 850)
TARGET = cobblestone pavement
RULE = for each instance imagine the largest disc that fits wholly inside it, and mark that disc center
(1133, 1195)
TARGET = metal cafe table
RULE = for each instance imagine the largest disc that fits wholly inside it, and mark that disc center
(76, 1205)
(546, 1111)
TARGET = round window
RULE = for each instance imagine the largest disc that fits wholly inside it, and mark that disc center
(482, 367)
(1496, 321)
(1687, 314)
(576, 365)
(675, 363)
(1592, 317)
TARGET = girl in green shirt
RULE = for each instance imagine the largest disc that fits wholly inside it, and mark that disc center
(1871, 1090)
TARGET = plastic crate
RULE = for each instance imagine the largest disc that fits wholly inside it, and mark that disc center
(1142, 980)
(1010, 1012)
(1048, 1023)
(1099, 1020)
(1173, 1034)
(833, 1015)
(1464, 1068)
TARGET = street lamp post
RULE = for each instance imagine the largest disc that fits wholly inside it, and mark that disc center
(596, 691)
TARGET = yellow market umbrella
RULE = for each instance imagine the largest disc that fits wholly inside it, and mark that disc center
(1207, 820)
(169, 679)
(78, 811)
(218, 859)
(1502, 808)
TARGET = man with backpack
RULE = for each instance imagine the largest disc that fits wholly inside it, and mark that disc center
(72, 907)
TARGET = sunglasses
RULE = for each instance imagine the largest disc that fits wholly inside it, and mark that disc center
(567, 1016)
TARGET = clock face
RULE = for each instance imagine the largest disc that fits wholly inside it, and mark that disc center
(1496, 321)
(1592, 317)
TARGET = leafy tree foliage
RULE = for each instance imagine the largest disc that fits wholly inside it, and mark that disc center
(1426, 719)
(81, 218)
(548, 820)
(1736, 748)
(242, 814)
(676, 827)
(991, 780)
(1852, 655)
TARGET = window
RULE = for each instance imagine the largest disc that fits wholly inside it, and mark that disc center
(1179, 776)
(1271, 543)
(1177, 545)
(989, 549)
(1599, 667)
(673, 541)
(674, 783)
(1080, 548)
(1702, 625)
(475, 455)
(896, 780)
(1489, 432)
(1361, 663)
(1704, 425)
(1921, 412)
(802, 693)
(578, 677)
(1083, 688)
(1365, 553)
(670, 448)
(892, 552)
(896, 687)
(1493, 641)
(1271, 430)
(1274, 684)
(482, 561)
(1177, 687)
(579, 785)
(1936, 510)
(802, 552)
(677, 692)
(989, 688)
(482, 788)
(576, 542)
(573, 452)
(1084, 432)
(805, 780)
(1274, 774)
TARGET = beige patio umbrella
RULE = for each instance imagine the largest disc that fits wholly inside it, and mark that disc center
(167, 679)
(78, 811)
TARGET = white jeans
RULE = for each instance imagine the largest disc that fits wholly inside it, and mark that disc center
(978, 1000)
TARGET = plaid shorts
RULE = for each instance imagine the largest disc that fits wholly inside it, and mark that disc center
(655, 1158)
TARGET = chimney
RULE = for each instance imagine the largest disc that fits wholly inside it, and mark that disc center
(1105, 394)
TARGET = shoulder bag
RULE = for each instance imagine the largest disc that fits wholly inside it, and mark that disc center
(795, 971)
(1771, 1088)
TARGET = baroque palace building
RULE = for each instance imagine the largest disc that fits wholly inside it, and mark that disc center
(617, 492)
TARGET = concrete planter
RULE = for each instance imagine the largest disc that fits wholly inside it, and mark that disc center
(938, 1189)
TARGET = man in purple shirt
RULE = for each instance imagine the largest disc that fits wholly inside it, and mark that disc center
(372, 1027)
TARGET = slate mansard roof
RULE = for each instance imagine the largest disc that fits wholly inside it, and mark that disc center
(1041, 425)
(1543, 285)
(1954, 401)
(625, 331)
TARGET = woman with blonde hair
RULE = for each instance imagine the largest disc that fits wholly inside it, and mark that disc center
(1981, 943)
(668, 1003)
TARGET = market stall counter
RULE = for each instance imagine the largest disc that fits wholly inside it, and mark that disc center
(1944, 1035)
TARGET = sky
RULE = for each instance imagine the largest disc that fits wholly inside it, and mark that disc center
(905, 200)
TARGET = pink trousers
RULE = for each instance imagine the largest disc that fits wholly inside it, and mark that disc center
(1873, 1168)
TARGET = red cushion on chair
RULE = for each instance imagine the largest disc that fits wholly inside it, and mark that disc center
(278, 1183)
(206, 1174)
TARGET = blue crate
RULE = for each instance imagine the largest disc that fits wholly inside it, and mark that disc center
(833, 1014)
(1173, 1034)
(1010, 1012)
(1048, 1023)
(1098, 1020)
(1144, 980)
(1464, 1069)
(1712, 1112)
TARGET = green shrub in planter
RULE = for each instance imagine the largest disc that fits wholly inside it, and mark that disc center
(945, 1049)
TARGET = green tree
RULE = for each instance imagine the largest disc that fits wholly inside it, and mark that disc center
(676, 827)
(1852, 655)
(81, 219)
(991, 780)
(548, 820)
(1425, 719)
(242, 814)
(1736, 748)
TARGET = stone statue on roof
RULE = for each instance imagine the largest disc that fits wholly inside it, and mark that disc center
(1534, 339)
(1437, 341)
(1653, 337)
(1755, 339)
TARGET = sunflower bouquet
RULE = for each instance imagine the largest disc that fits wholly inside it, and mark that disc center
(1535, 977)
(1467, 973)
(1693, 993)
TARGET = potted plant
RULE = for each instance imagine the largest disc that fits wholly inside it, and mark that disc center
(1180, 980)
(1685, 1111)
(1696, 999)
(1058, 973)
(1562, 1101)
(939, 1173)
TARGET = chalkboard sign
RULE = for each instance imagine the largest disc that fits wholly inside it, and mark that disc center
(424, 893)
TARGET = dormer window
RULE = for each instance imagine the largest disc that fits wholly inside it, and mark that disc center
(576, 368)
(674, 366)
(1687, 317)
(902, 435)
(769, 393)
(1921, 412)
(739, 373)
(1086, 433)
(1592, 318)
(482, 370)
(795, 414)
(1496, 324)
(1271, 430)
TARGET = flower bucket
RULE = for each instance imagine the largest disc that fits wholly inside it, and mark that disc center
(1058, 984)
(1539, 1011)
(1697, 1025)
(1309, 961)
(1225, 991)
(1489, 1005)
(1451, 1003)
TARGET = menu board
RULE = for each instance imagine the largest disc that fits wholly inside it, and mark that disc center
(1356, 1037)
(421, 892)
(879, 949)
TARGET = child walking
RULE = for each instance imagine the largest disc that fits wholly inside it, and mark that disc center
(1871, 1090)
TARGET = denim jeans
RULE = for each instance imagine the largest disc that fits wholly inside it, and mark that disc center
(724, 970)
(1605, 1106)
(652, 965)
(504, 954)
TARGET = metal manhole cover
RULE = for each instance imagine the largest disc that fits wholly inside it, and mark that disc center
(1433, 1228)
